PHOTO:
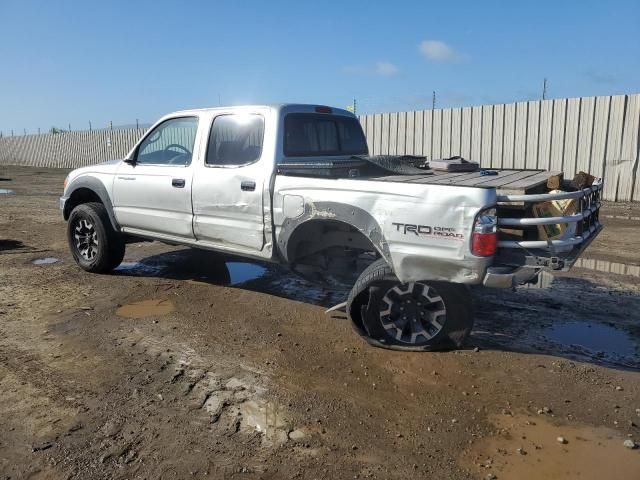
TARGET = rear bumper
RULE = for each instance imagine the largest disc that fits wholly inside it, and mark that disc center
(508, 277)
(519, 262)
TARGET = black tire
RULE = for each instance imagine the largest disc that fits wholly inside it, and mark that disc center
(95, 245)
(371, 292)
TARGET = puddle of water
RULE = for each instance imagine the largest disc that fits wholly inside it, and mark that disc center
(241, 272)
(45, 261)
(266, 418)
(590, 453)
(146, 308)
(138, 268)
(6, 191)
(592, 336)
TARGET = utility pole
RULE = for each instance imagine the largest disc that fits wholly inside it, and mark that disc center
(354, 107)
(89, 125)
(69, 127)
(25, 131)
(544, 89)
(137, 127)
(38, 130)
(433, 101)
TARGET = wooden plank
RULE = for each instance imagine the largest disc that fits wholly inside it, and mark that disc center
(401, 142)
(441, 174)
(487, 136)
(599, 139)
(418, 132)
(585, 134)
(557, 134)
(630, 151)
(497, 136)
(571, 137)
(393, 133)
(384, 146)
(544, 142)
(520, 142)
(502, 176)
(465, 138)
(436, 149)
(377, 134)
(454, 179)
(476, 134)
(446, 133)
(509, 135)
(427, 143)
(456, 131)
(409, 147)
(538, 178)
(533, 124)
(615, 169)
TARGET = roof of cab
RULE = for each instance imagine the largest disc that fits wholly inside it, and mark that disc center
(281, 107)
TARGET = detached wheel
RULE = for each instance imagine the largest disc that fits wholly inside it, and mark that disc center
(95, 245)
(422, 315)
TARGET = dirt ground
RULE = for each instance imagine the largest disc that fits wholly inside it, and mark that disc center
(177, 366)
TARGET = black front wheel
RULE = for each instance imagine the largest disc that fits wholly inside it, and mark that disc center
(425, 315)
(95, 245)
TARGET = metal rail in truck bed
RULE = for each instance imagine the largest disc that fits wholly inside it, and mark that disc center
(586, 218)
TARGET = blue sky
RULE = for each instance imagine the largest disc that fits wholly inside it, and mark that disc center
(74, 62)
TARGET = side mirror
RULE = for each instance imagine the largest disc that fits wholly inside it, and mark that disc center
(130, 160)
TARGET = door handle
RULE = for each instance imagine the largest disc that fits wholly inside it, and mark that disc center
(178, 182)
(248, 186)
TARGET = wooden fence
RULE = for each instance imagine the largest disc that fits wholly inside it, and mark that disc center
(600, 135)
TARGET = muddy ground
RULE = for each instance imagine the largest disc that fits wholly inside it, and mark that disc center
(177, 366)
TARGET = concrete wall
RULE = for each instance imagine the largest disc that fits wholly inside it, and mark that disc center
(599, 135)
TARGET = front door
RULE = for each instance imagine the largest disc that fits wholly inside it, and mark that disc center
(228, 189)
(153, 192)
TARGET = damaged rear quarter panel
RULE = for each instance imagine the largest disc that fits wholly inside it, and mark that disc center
(423, 231)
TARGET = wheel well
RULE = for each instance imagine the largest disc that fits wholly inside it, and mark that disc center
(315, 236)
(78, 197)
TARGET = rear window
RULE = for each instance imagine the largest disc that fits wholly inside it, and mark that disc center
(312, 135)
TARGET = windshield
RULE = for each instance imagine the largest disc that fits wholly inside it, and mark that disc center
(313, 135)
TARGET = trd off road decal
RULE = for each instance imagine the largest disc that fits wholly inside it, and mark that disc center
(447, 233)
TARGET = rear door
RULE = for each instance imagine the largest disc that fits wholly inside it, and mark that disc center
(153, 194)
(230, 192)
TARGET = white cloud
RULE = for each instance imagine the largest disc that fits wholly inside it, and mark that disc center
(386, 69)
(438, 51)
(379, 69)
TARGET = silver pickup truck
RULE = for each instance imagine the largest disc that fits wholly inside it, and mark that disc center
(295, 184)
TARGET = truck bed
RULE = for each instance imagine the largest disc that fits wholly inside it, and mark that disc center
(515, 181)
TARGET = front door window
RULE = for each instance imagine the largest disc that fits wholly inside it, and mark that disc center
(170, 143)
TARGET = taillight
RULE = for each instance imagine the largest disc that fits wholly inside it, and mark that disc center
(484, 239)
(323, 109)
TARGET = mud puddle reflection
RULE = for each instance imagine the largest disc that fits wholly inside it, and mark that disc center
(6, 191)
(564, 316)
(200, 267)
(45, 261)
(530, 448)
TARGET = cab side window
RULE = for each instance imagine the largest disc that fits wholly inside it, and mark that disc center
(170, 143)
(235, 140)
